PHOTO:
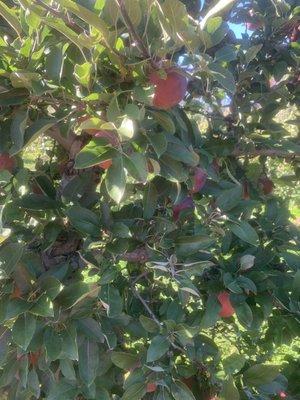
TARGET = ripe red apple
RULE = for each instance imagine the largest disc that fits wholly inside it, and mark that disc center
(282, 394)
(266, 185)
(184, 205)
(6, 162)
(169, 91)
(200, 177)
(227, 310)
(151, 387)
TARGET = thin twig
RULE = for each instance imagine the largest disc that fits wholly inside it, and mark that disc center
(133, 33)
(150, 312)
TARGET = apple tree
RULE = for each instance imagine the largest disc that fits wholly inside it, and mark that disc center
(145, 252)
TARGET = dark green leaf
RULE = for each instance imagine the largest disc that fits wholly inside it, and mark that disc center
(88, 361)
(158, 347)
(116, 179)
(244, 231)
(84, 220)
(124, 360)
(23, 330)
(260, 374)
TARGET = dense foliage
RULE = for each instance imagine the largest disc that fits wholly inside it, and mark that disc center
(146, 255)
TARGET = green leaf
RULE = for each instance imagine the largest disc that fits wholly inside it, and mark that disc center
(211, 315)
(91, 329)
(165, 121)
(74, 293)
(13, 96)
(187, 245)
(54, 61)
(233, 363)
(34, 383)
(43, 307)
(86, 15)
(124, 360)
(51, 286)
(181, 392)
(134, 11)
(37, 202)
(148, 324)
(52, 344)
(296, 285)
(93, 153)
(23, 330)
(229, 198)
(226, 53)
(17, 131)
(252, 53)
(150, 200)
(82, 73)
(127, 128)
(245, 232)
(9, 15)
(62, 389)
(84, 220)
(244, 314)
(158, 141)
(67, 369)
(213, 24)
(88, 361)
(260, 374)
(177, 151)
(71, 35)
(229, 390)
(173, 170)
(158, 347)
(115, 180)
(135, 392)
(223, 76)
(10, 255)
(136, 165)
(69, 343)
(112, 299)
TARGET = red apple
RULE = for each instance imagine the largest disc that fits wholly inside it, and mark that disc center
(266, 185)
(151, 387)
(282, 394)
(169, 91)
(227, 310)
(6, 162)
(184, 205)
(200, 177)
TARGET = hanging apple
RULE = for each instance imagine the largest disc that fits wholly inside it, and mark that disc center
(199, 179)
(226, 307)
(6, 162)
(170, 90)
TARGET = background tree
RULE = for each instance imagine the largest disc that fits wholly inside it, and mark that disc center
(145, 250)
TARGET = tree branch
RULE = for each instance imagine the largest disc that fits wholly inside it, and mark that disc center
(133, 33)
(150, 312)
(265, 152)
